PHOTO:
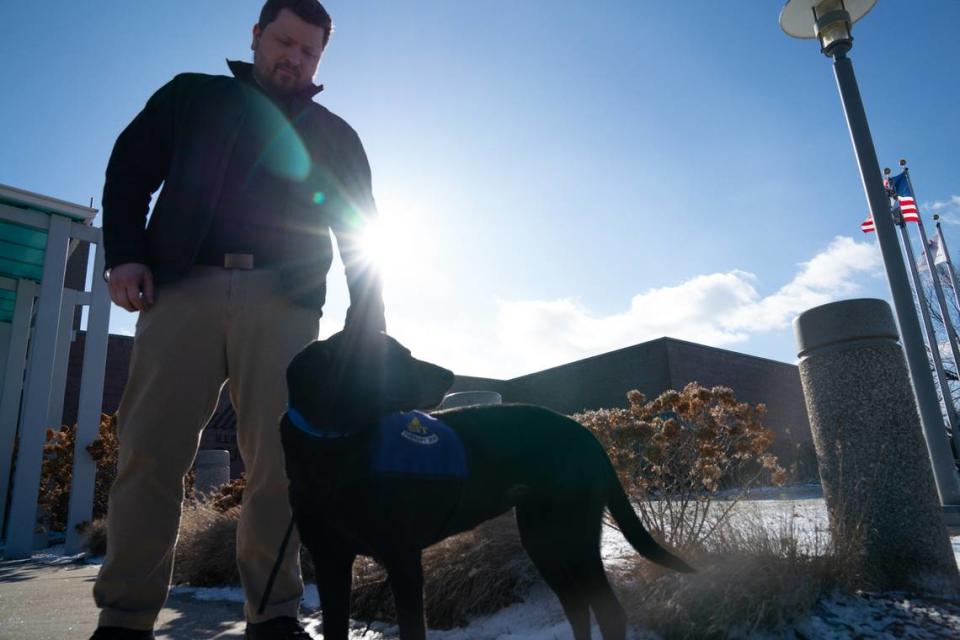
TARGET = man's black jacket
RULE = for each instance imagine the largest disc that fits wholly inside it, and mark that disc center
(308, 164)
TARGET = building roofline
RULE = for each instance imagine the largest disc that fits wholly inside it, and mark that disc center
(589, 358)
(39, 202)
(736, 353)
(663, 339)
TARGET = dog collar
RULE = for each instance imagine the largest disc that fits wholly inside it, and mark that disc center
(297, 420)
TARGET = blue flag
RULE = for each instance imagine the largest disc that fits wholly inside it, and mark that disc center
(901, 185)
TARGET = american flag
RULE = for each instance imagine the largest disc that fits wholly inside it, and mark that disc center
(898, 187)
(908, 207)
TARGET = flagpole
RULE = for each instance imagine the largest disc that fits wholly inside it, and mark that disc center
(946, 253)
(937, 286)
(931, 338)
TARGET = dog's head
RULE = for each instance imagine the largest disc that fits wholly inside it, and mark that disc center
(350, 380)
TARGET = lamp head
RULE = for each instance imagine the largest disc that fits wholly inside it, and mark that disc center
(829, 21)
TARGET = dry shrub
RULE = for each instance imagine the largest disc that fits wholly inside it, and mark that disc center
(57, 471)
(474, 573)
(228, 495)
(206, 546)
(54, 498)
(750, 579)
(206, 553)
(105, 450)
(95, 536)
(674, 453)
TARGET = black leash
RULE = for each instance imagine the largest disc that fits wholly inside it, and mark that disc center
(276, 568)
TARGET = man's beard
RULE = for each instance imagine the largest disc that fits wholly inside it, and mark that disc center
(291, 72)
(272, 82)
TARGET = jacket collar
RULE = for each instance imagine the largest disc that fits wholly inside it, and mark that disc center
(244, 71)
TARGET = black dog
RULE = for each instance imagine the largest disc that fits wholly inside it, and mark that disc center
(347, 500)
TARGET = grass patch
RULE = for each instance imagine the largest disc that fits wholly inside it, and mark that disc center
(751, 578)
(474, 573)
(471, 574)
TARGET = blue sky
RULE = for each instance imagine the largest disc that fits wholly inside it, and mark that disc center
(560, 178)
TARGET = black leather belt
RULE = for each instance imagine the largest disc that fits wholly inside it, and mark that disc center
(228, 261)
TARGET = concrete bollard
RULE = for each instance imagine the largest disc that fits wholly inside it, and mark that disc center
(211, 469)
(470, 398)
(877, 480)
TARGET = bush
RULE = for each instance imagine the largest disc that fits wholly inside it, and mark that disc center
(474, 573)
(471, 574)
(206, 552)
(57, 471)
(751, 578)
(675, 453)
(229, 495)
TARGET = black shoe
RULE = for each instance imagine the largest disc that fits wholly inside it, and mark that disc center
(121, 633)
(282, 628)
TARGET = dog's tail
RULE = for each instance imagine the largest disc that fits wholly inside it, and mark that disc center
(633, 530)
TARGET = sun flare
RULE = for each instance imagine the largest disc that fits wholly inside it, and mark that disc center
(402, 246)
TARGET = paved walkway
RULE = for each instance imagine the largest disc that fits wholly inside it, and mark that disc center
(45, 601)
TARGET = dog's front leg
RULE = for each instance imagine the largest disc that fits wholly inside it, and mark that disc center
(334, 567)
(405, 571)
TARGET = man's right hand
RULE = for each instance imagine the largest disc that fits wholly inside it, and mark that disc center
(131, 286)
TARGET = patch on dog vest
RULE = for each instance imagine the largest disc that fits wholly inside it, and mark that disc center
(417, 444)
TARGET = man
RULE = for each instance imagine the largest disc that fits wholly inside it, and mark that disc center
(229, 279)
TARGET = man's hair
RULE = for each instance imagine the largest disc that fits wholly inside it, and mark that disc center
(309, 11)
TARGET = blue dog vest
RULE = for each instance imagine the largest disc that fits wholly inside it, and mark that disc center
(417, 444)
(405, 444)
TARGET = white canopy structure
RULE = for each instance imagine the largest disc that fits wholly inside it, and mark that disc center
(37, 234)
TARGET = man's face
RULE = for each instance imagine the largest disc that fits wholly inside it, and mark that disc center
(286, 53)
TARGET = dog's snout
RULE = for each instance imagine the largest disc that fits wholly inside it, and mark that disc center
(433, 384)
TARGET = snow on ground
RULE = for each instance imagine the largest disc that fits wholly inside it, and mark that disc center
(886, 615)
(539, 617)
(57, 555)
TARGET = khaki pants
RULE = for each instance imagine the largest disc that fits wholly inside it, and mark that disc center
(217, 324)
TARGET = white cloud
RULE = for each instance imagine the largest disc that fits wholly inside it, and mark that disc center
(948, 209)
(829, 275)
(715, 309)
(954, 201)
(689, 310)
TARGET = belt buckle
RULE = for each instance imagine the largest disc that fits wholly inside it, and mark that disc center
(238, 261)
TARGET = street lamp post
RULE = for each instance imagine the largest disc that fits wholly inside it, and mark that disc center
(830, 22)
